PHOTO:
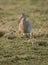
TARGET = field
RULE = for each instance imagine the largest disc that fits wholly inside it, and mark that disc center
(18, 50)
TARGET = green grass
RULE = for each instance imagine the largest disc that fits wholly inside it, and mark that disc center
(20, 51)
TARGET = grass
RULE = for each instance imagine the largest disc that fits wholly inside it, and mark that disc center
(20, 51)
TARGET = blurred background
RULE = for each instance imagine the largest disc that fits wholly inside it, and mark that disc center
(20, 51)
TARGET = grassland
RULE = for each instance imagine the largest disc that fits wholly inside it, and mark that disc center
(19, 50)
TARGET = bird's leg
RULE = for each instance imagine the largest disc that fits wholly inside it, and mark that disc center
(24, 35)
(31, 38)
(30, 35)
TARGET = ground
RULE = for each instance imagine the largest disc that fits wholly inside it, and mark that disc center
(16, 50)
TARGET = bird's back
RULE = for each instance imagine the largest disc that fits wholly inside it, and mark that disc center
(27, 26)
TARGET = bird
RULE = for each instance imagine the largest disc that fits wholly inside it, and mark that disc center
(25, 27)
